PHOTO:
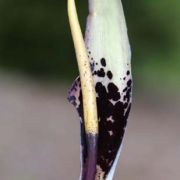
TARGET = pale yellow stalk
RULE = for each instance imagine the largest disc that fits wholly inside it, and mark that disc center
(87, 84)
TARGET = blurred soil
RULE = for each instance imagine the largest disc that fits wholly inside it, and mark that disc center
(39, 135)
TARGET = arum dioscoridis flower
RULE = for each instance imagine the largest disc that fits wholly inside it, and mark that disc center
(103, 91)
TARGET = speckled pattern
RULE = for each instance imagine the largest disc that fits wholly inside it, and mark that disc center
(109, 54)
(113, 110)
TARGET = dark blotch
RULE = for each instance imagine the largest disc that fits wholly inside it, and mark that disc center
(109, 74)
(100, 73)
(103, 62)
(92, 66)
(125, 89)
(129, 83)
(112, 87)
(113, 92)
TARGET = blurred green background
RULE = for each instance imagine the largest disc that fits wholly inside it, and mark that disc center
(39, 129)
(35, 39)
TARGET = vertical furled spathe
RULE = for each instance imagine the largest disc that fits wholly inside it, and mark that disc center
(109, 56)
